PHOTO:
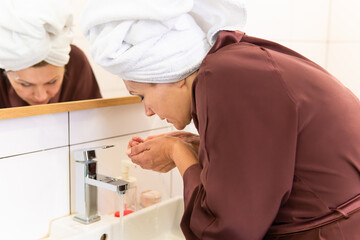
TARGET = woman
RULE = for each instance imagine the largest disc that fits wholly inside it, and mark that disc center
(38, 65)
(278, 152)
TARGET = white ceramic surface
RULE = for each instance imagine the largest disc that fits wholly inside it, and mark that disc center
(345, 19)
(296, 20)
(29, 134)
(269, 19)
(158, 222)
(101, 123)
(34, 190)
(310, 20)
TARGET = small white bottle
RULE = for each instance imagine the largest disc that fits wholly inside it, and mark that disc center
(131, 202)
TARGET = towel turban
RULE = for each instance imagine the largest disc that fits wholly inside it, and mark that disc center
(32, 31)
(157, 41)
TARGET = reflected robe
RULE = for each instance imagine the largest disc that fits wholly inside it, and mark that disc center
(79, 83)
(279, 144)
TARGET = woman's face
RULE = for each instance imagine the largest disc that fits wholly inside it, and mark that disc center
(37, 85)
(170, 101)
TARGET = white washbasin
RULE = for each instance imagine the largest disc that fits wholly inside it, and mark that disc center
(158, 222)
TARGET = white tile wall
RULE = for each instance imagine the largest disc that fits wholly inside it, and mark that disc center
(345, 20)
(288, 19)
(34, 190)
(310, 20)
(315, 51)
(301, 25)
(269, 19)
(344, 43)
(344, 63)
(101, 123)
(28, 134)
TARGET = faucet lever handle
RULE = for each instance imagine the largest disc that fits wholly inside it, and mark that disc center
(87, 154)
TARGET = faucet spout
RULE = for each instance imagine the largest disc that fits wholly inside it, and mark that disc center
(112, 184)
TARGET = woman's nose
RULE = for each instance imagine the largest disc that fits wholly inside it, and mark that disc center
(40, 94)
(148, 111)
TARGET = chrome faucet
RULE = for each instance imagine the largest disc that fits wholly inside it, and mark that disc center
(87, 180)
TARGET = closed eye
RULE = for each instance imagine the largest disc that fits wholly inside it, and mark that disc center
(141, 96)
(51, 82)
(25, 84)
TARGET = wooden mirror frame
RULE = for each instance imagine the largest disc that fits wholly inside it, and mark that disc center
(17, 112)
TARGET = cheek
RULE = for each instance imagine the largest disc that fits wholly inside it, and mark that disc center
(53, 89)
(22, 91)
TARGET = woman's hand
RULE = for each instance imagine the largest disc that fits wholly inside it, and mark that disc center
(152, 154)
(192, 139)
(162, 153)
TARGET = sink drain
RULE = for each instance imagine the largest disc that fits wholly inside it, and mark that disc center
(103, 237)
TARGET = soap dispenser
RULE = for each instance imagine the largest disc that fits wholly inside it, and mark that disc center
(131, 202)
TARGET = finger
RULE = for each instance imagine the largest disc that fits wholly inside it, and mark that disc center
(153, 136)
(131, 143)
(137, 139)
(136, 143)
(142, 160)
(137, 149)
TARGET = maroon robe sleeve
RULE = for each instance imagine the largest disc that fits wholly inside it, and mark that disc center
(4, 96)
(248, 128)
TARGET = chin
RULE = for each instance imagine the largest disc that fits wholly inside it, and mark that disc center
(181, 126)
(178, 126)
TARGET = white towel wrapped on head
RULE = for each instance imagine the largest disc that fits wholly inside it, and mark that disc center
(157, 41)
(33, 31)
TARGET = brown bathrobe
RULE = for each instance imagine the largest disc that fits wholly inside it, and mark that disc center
(79, 83)
(279, 147)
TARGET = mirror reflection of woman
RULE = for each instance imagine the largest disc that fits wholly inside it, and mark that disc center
(38, 63)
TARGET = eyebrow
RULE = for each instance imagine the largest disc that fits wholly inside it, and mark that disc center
(21, 80)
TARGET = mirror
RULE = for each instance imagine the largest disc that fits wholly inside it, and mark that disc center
(110, 86)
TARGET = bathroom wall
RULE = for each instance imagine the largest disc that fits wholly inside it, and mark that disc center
(326, 31)
(36, 164)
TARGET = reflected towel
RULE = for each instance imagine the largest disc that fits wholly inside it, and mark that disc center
(33, 31)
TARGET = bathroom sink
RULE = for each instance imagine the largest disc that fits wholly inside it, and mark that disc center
(157, 222)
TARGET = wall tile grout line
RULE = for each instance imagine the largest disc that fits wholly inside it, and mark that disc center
(69, 161)
(36, 151)
(327, 51)
(70, 145)
(117, 136)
